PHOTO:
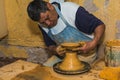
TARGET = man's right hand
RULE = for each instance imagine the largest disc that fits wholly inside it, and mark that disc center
(61, 51)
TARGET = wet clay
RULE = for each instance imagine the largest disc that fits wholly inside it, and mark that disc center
(71, 61)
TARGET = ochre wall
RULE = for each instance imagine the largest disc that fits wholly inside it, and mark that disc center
(3, 25)
(22, 31)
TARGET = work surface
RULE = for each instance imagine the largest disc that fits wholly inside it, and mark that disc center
(22, 70)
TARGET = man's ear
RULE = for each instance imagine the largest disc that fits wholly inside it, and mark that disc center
(50, 7)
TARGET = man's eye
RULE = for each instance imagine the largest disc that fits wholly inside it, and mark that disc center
(43, 23)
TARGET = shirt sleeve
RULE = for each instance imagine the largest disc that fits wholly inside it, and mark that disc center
(47, 39)
(85, 21)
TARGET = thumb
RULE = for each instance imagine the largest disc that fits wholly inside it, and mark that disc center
(82, 48)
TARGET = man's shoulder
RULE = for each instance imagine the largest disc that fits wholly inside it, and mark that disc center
(58, 1)
(69, 4)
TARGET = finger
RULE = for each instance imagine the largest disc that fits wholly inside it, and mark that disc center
(82, 43)
(59, 48)
(81, 48)
(75, 49)
(62, 52)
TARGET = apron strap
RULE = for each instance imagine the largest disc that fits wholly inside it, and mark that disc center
(60, 14)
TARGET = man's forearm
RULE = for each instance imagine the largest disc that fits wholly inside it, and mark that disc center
(99, 32)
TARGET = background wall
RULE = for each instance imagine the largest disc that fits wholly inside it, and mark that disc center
(22, 31)
(3, 26)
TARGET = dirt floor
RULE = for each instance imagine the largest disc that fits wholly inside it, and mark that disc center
(11, 53)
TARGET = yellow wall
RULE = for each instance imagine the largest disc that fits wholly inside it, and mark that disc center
(22, 31)
(3, 26)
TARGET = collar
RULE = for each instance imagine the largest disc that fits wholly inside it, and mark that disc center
(55, 3)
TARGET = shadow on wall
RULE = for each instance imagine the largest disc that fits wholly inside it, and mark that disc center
(33, 27)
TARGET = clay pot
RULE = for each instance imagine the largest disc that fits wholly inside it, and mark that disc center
(71, 61)
(70, 46)
(112, 53)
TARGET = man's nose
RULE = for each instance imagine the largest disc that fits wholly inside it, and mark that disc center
(47, 22)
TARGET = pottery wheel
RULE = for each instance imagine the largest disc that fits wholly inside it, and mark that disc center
(86, 68)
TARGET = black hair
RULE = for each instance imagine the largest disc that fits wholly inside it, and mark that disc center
(35, 8)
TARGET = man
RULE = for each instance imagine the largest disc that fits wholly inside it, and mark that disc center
(67, 22)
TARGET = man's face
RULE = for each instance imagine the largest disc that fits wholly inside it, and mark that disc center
(49, 18)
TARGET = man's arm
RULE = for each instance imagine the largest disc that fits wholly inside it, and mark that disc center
(98, 34)
(89, 24)
(51, 45)
(48, 41)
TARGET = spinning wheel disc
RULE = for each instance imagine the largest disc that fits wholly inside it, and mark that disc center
(86, 68)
